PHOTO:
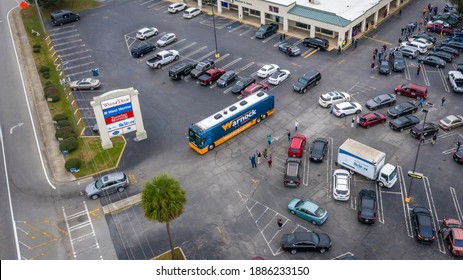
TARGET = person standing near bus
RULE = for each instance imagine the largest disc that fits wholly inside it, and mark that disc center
(258, 156)
(265, 153)
(269, 139)
(270, 161)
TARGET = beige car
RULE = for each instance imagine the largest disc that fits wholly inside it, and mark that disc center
(85, 84)
(451, 122)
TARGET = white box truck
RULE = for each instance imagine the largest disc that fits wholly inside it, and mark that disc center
(368, 162)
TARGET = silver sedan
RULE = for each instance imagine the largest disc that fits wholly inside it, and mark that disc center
(84, 84)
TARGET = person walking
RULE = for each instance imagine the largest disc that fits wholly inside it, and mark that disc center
(269, 139)
(280, 224)
(289, 134)
(434, 138)
(442, 101)
(284, 36)
(265, 153)
(356, 43)
(269, 161)
(418, 69)
(424, 11)
(281, 37)
(339, 50)
(259, 155)
(400, 12)
(253, 161)
(352, 125)
(372, 67)
(457, 146)
(296, 124)
(420, 104)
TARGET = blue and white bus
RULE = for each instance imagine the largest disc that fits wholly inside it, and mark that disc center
(231, 121)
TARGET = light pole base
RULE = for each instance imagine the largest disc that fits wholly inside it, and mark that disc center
(408, 200)
(217, 55)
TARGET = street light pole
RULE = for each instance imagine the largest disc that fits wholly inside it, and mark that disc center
(217, 54)
(40, 16)
(408, 198)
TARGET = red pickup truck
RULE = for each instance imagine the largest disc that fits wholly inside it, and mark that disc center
(211, 76)
(438, 26)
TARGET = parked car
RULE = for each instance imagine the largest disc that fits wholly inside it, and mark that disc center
(424, 130)
(456, 81)
(449, 50)
(409, 52)
(397, 61)
(346, 108)
(367, 207)
(266, 30)
(411, 90)
(202, 67)
(146, 32)
(226, 78)
(292, 173)
(318, 149)
(453, 44)
(417, 46)
(426, 36)
(83, 84)
(305, 241)
(402, 109)
(210, 76)
(289, 49)
(253, 88)
(451, 122)
(191, 13)
(443, 55)
(63, 16)
(166, 39)
(176, 7)
(404, 122)
(448, 19)
(384, 67)
(310, 78)
(142, 49)
(455, 39)
(458, 156)
(318, 43)
(267, 70)
(241, 84)
(370, 119)
(308, 211)
(181, 70)
(381, 101)
(107, 184)
(438, 26)
(297, 146)
(162, 58)
(333, 98)
(454, 237)
(432, 60)
(422, 224)
(341, 184)
(425, 41)
(279, 77)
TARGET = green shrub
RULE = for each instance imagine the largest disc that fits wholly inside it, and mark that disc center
(44, 69)
(62, 135)
(72, 163)
(67, 129)
(63, 123)
(69, 144)
(51, 93)
(60, 117)
(46, 75)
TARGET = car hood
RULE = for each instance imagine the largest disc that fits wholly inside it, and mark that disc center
(371, 103)
(325, 240)
(393, 111)
(237, 89)
(293, 203)
(298, 85)
(91, 188)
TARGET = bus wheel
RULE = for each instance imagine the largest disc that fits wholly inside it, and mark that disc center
(264, 116)
(258, 120)
(211, 147)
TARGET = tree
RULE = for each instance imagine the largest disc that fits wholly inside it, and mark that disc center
(163, 201)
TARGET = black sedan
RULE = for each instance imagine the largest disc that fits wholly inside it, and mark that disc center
(367, 207)
(453, 44)
(426, 36)
(424, 130)
(422, 223)
(444, 55)
(432, 60)
(458, 156)
(384, 67)
(404, 122)
(449, 50)
(142, 49)
(242, 84)
(381, 101)
(305, 241)
(226, 78)
(402, 109)
(318, 149)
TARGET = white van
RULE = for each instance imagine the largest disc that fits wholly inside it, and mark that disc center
(417, 45)
(191, 12)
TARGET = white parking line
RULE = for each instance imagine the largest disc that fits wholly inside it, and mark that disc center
(67, 43)
(247, 31)
(66, 37)
(406, 209)
(178, 41)
(237, 28)
(380, 204)
(195, 52)
(64, 32)
(457, 204)
(71, 54)
(444, 80)
(187, 46)
(70, 48)
(206, 56)
(270, 38)
(425, 75)
(231, 63)
(246, 66)
(146, 2)
(407, 70)
(306, 52)
(56, 29)
(76, 59)
(432, 207)
(155, 5)
(77, 66)
(329, 166)
(79, 73)
(305, 178)
(222, 57)
(227, 24)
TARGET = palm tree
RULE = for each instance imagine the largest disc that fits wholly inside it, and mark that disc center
(163, 201)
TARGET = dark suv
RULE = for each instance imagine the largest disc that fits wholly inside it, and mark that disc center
(63, 16)
(397, 61)
(266, 30)
(293, 172)
(202, 67)
(312, 77)
(424, 130)
(181, 70)
(319, 43)
(142, 49)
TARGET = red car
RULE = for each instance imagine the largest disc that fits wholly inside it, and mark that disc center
(210, 76)
(297, 145)
(411, 90)
(370, 119)
(253, 88)
(453, 232)
(440, 26)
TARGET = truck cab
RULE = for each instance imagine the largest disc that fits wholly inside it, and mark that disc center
(387, 176)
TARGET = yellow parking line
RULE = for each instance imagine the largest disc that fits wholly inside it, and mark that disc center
(93, 213)
(377, 40)
(311, 53)
(57, 227)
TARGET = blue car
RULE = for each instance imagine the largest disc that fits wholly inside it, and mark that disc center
(308, 210)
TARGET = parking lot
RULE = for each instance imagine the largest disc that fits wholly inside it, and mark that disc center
(232, 208)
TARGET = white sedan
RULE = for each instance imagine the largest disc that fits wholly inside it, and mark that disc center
(332, 98)
(278, 77)
(166, 39)
(341, 184)
(267, 70)
(346, 108)
(147, 32)
(423, 41)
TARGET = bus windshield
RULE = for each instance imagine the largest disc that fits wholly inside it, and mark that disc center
(194, 137)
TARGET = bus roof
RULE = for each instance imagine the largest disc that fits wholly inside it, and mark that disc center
(231, 111)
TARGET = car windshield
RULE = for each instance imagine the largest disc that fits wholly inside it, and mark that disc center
(399, 107)
(377, 100)
(315, 238)
(240, 83)
(458, 242)
(164, 38)
(299, 203)
(99, 184)
(401, 121)
(325, 97)
(200, 66)
(304, 82)
(393, 174)
(320, 212)
(368, 206)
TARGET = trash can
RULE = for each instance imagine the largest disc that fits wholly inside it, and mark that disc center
(95, 72)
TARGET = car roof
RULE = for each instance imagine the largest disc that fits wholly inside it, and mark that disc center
(113, 176)
(309, 205)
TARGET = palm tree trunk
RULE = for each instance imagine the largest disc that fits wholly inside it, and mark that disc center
(170, 240)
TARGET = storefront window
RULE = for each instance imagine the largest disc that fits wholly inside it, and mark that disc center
(273, 9)
(302, 25)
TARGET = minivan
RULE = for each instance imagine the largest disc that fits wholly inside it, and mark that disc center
(409, 52)
(411, 90)
(191, 12)
(312, 77)
(292, 173)
(297, 145)
(63, 16)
